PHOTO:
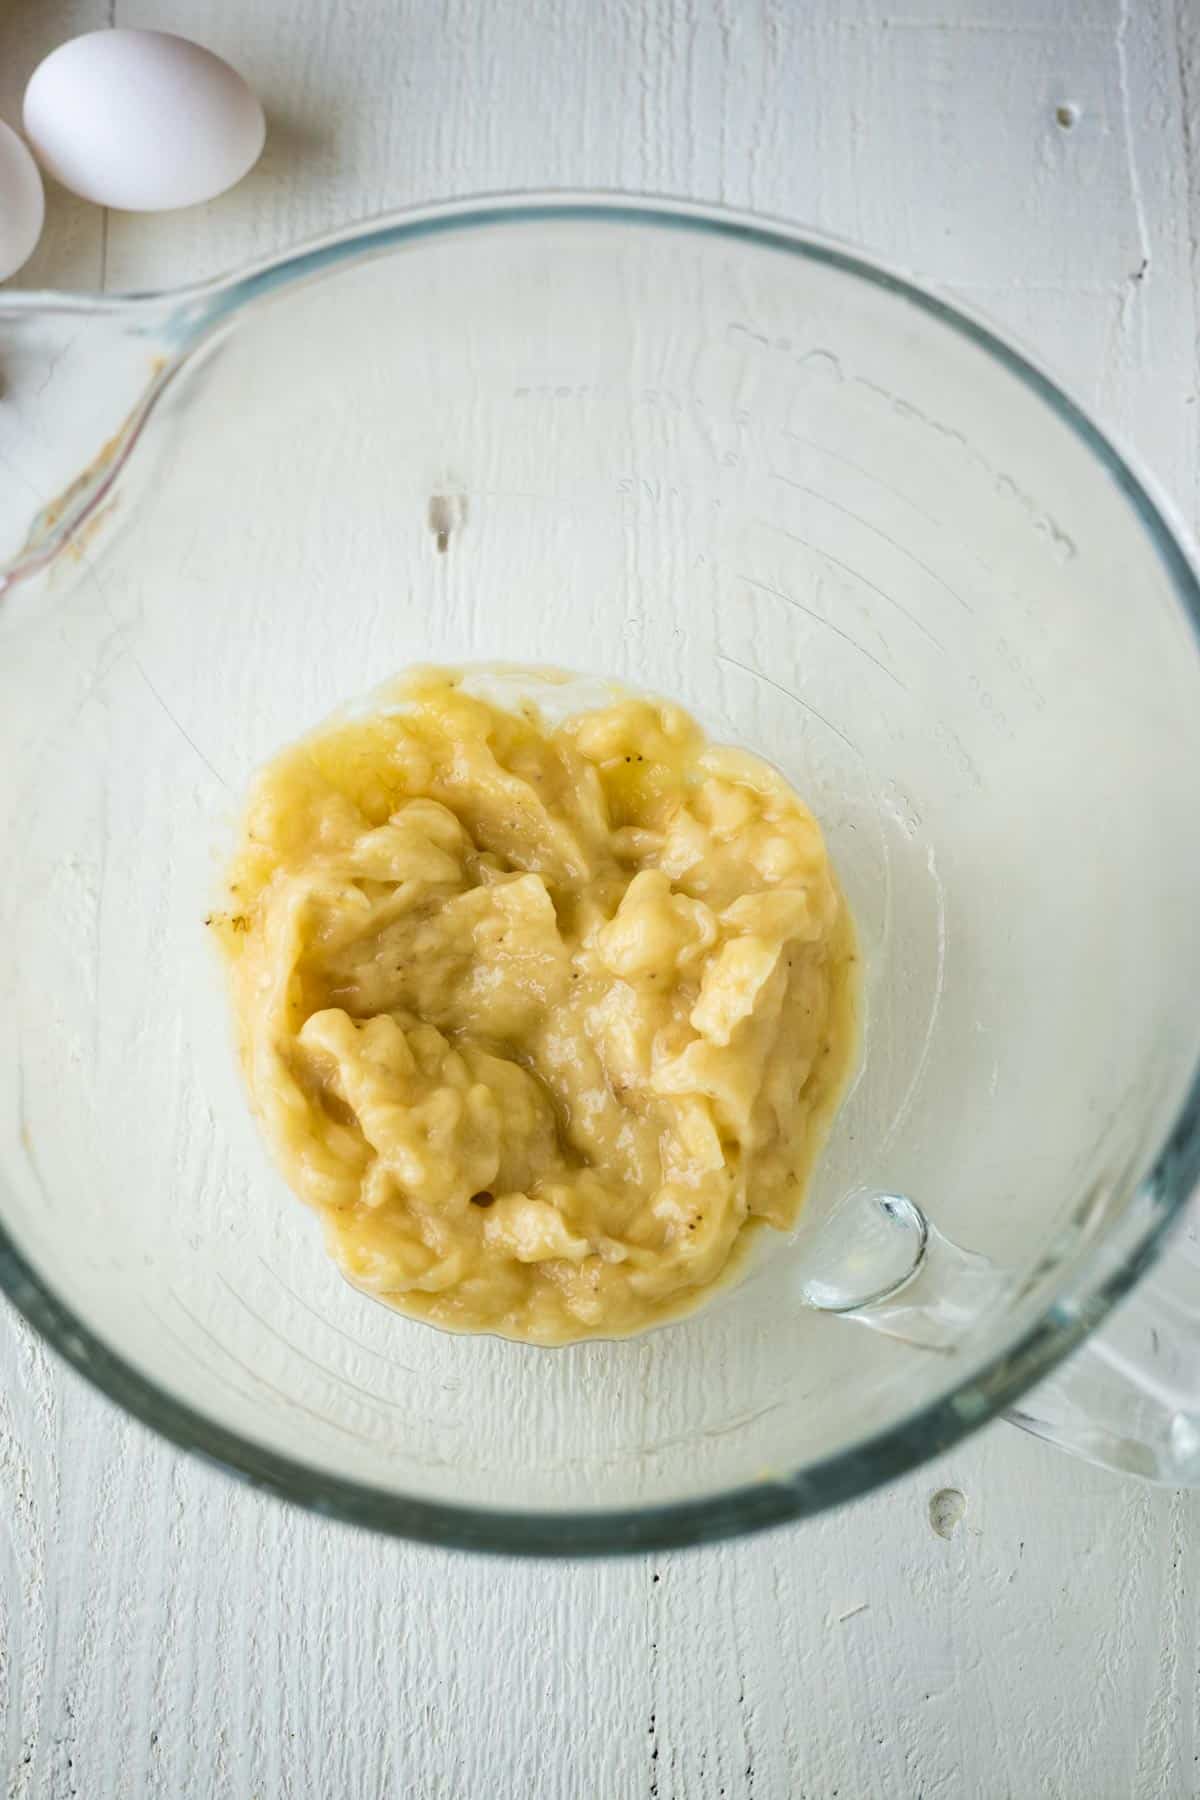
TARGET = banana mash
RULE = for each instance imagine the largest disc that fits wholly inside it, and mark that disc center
(540, 1018)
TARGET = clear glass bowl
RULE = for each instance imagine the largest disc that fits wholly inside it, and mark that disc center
(711, 456)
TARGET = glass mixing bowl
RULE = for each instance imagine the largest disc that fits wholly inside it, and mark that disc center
(848, 526)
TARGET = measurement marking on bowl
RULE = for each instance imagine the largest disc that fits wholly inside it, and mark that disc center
(757, 674)
(347, 1337)
(184, 733)
(764, 587)
(259, 1380)
(876, 531)
(335, 1377)
(1062, 547)
(797, 437)
(857, 574)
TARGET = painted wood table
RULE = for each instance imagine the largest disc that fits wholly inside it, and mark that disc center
(164, 1632)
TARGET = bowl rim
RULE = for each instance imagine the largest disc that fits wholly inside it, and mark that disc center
(193, 312)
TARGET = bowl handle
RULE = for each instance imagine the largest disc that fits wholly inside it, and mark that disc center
(78, 380)
(1129, 1398)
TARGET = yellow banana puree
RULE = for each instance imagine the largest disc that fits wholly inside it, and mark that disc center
(541, 1018)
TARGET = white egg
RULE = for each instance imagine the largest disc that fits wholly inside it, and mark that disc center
(141, 120)
(22, 203)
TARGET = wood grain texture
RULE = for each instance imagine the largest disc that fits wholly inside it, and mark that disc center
(166, 1633)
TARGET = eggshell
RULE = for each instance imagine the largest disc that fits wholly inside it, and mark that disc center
(141, 120)
(22, 203)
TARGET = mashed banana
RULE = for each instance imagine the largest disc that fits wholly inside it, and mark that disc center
(539, 1018)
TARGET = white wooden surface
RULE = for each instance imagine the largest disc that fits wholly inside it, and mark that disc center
(165, 1633)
